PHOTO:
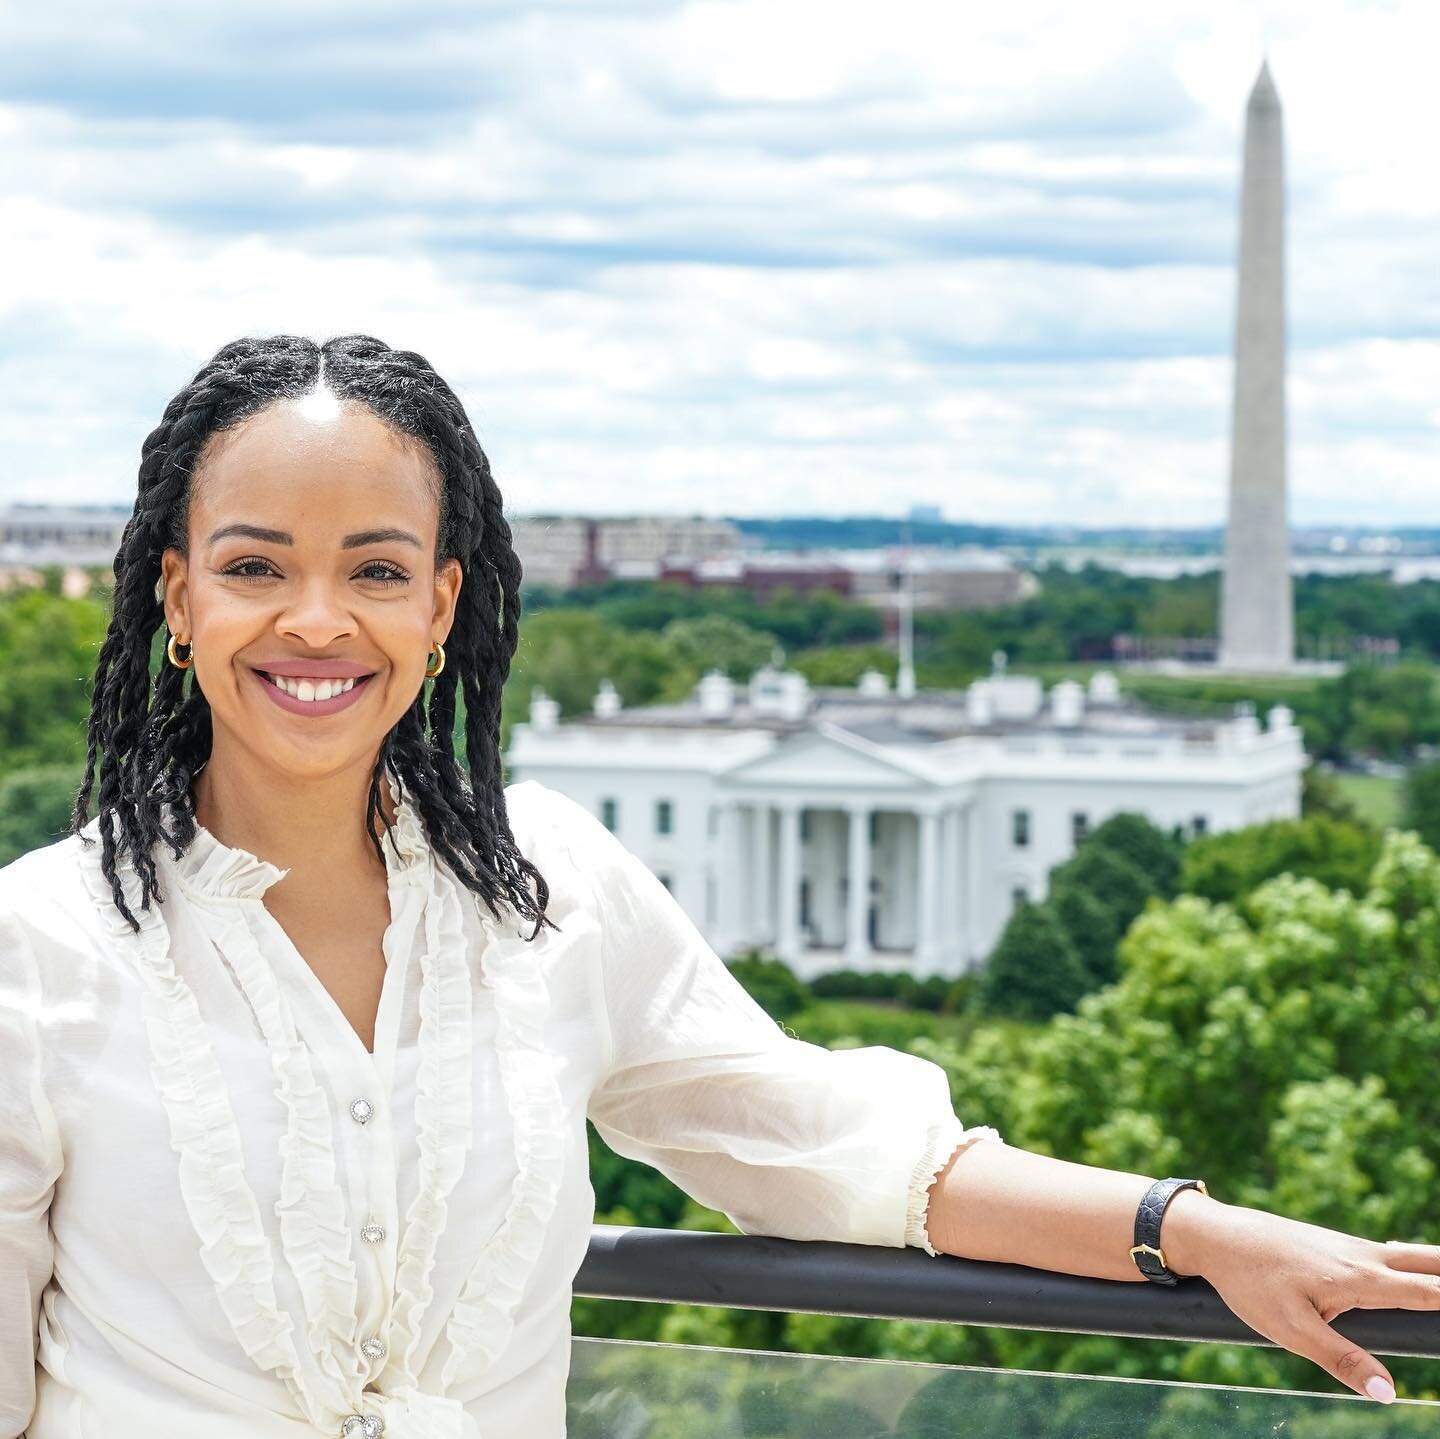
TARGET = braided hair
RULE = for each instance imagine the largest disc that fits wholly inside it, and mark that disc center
(151, 736)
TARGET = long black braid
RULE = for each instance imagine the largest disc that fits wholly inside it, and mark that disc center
(151, 737)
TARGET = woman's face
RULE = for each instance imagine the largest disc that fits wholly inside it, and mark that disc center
(312, 538)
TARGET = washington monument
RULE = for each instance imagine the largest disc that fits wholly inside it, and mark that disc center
(1257, 625)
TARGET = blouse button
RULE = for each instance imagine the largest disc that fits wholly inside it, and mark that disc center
(374, 1347)
(373, 1233)
(361, 1110)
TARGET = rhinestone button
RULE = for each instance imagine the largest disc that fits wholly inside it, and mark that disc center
(370, 1425)
(373, 1233)
(374, 1347)
(361, 1110)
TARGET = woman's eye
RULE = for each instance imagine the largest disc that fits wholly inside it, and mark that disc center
(240, 566)
(386, 574)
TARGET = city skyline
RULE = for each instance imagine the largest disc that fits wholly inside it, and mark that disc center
(752, 257)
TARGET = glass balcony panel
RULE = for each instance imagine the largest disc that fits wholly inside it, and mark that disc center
(626, 1389)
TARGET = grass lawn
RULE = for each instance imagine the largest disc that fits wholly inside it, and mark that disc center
(1377, 798)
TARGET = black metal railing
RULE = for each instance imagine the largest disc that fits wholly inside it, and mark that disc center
(676, 1266)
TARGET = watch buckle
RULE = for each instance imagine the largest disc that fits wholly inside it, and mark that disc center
(1146, 1249)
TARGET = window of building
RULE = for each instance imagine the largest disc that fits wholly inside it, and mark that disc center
(664, 879)
(874, 825)
(664, 816)
(1019, 896)
(804, 825)
(1198, 825)
(804, 904)
(1020, 828)
(1079, 827)
(610, 813)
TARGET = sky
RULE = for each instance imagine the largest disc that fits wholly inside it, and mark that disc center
(755, 257)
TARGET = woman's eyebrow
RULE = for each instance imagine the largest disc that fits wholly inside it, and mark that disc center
(379, 537)
(252, 532)
(282, 537)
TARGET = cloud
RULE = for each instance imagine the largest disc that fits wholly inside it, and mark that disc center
(754, 256)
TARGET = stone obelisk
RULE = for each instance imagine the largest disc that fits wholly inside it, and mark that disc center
(1257, 624)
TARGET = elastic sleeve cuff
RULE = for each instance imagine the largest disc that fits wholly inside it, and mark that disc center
(945, 1138)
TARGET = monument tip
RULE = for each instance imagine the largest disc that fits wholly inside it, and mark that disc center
(1263, 94)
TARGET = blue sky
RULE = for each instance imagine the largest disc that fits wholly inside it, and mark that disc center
(752, 257)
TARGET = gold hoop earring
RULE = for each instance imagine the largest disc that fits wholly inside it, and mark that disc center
(435, 646)
(174, 660)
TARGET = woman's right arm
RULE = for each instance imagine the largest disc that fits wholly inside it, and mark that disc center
(30, 1163)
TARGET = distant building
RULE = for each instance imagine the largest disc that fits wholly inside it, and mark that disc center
(858, 829)
(35, 535)
(565, 550)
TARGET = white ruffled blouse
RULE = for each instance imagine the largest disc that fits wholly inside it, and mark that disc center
(221, 1215)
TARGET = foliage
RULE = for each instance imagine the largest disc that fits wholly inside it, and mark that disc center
(1155, 854)
(1034, 970)
(1421, 803)
(771, 983)
(1226, 867)
(48, 649)
(35, 807)
(718, 642)
(1322, 793)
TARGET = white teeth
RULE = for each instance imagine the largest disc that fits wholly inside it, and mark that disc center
(312, 690)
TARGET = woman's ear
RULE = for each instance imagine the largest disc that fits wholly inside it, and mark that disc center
(448, 579)
(175, 591)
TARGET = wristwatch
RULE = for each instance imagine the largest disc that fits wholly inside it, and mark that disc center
(1148, 1256)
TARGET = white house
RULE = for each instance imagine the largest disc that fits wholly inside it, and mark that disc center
(859, 829)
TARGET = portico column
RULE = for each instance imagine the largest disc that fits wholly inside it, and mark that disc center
(729, 864)
(762, 933)
(788, 917)
(927, 927)
(857, 905)
(973, 957)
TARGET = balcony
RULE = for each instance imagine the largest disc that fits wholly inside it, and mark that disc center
(633, 1390)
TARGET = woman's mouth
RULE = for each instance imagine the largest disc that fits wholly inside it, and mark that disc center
(316, 697)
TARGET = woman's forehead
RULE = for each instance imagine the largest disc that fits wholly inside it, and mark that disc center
(287, 459)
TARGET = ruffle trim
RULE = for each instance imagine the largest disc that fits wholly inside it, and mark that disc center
(203, 1133)
(483, 1319)
(945, 1137)
(443, 1112)
(314, 1232)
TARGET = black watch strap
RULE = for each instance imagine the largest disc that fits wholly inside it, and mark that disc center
(1149, 1257)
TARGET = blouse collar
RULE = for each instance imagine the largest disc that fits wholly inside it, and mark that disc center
(223, 871)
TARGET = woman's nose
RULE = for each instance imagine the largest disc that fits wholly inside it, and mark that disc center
(317, 613)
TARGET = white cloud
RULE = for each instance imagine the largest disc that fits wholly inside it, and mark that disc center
(773, 255)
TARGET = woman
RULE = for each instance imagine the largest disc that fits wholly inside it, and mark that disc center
(298, 1035)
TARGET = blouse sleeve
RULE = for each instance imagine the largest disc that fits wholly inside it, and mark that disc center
(29, 1166)
(785, 1137)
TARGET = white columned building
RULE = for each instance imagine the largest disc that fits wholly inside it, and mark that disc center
(856, 829)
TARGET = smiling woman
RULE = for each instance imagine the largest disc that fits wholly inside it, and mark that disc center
(295, 1062)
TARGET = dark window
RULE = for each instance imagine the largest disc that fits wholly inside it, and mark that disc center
(804, 824)
(874, 825)
(1079, 827)
(664, 816)
(1020, 828)
(1019, 896)
(610, 813)
(1199, 825)
(664, 879)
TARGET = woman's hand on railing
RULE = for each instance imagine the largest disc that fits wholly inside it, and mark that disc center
(1288, 1279)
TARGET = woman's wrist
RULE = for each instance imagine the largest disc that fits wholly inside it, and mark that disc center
(1192, 1230)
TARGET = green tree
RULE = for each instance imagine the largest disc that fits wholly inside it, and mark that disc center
(35, 806)
(1421, 803)
(1034, 971)
(1092, 929)
(1151, 850)
(1226, 867)
(718, 642)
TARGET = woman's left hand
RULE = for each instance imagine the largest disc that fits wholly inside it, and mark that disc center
(1288, 1279)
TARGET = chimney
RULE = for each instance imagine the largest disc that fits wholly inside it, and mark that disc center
(607, 700)
(544, 712)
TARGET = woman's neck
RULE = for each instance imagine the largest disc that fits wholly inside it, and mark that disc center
(315, 830)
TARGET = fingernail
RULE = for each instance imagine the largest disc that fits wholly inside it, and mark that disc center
(1377, 1386)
